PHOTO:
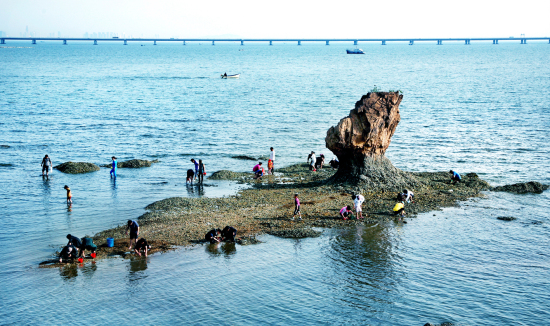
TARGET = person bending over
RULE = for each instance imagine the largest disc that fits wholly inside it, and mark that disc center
(399, 209)
(87, 244)
(142, 246)
(345, 212)
(190, 176)
(409, 196)
(229, 233)
(73, 241)
(68, 253)
(213, 236)
(455, 177)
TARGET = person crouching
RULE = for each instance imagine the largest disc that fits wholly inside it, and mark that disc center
(142, 246)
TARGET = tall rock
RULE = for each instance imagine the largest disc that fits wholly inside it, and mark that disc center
(360, 142)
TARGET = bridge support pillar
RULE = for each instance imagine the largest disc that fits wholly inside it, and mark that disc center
(125, 42)
(327, 43)
(270, 42)
(411, 42)
(467, 42)
(439, 42)
(354, 42)
(523, 41)
(154, 42)
(33, 41)
(95, 42)
(213, 43)
(64, 42)
(384, 42)
(495, 41)
(2, 41)
(299, 42)
(184, 43)
(242, 42)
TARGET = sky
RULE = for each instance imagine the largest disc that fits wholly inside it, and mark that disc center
(277, 19)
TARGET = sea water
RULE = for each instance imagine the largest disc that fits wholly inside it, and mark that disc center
(480, 108)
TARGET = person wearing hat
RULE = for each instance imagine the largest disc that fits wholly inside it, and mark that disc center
(114, 167)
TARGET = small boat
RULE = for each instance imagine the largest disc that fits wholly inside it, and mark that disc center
(355, 51)
(231, 76)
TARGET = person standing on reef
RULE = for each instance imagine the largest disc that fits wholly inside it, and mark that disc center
(46, 165)
(113, 167)
(357, 202)
(297, 208)
(455, 177)
(311, 161)
(269, 166)
(134, 231)
(202, 171)
(196, 168)
(272, 158)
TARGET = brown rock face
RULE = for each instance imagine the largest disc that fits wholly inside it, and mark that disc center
(361, 139)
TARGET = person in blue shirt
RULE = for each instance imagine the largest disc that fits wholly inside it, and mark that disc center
(134, 231)
(114, 166)
(455, 177)
(196, 168)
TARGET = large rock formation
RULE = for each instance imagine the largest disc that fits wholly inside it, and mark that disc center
(360, 142)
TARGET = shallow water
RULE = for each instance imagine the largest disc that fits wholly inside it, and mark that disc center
(478, 108)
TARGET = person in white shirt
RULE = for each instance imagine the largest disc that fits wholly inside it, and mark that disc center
(311, 161)
(409, 195)
(272, 158)
(357, 202)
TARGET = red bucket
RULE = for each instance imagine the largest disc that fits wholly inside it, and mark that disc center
(80, 260)
(93, 255)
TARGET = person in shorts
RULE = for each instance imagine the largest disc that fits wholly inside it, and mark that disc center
(357, 202)
(87, 244)
(46, 165)
(133, 227)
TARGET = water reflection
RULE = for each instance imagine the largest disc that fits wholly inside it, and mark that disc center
(227, 249)
(46, 185)
(68, 272)
(195, 190)
(88, 270)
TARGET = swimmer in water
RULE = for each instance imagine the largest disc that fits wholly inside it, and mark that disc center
(113, 167)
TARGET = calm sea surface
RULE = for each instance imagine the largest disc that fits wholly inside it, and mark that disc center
(481, 108)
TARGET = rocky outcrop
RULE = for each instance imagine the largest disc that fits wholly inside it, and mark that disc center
(360, 142)
(230, 175)
(523, 188)
(133, 164)
(295, 233)
(76, 167)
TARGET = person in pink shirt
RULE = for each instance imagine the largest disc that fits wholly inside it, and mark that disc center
(345, 212)
(297, 208)
(258, 170)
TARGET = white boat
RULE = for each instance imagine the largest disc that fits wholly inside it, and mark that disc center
(355, 51)
(231, 76)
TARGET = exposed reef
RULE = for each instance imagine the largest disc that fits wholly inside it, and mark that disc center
(76, 167)
(523, 188)
(133, 164)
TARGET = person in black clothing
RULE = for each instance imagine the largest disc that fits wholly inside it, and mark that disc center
(142, 245)
(214, 236)
(74, 241)
(401, 197)
(334, 163)
(87, 244)
(229, 233)
(190, 176)
(69, 252)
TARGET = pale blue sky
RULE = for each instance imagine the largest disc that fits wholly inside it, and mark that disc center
(278, 19)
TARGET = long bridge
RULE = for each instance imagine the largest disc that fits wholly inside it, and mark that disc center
(383, 41)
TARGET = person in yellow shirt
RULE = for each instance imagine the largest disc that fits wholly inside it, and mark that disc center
(399, 209)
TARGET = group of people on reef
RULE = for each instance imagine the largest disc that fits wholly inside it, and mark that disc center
(198, 174)
(76, 247)
(406, 196)
(316, 163)
(216, 235)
